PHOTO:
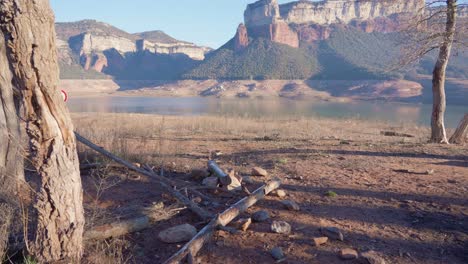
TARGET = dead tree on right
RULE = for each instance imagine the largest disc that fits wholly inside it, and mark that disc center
(435, 28)
(460, 134)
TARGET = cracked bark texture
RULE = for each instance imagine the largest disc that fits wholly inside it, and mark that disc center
(11, 160)
(28, 30)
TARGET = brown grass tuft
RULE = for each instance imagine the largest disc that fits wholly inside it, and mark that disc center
(6, 216)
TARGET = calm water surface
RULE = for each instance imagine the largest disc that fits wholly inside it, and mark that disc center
(391, 112)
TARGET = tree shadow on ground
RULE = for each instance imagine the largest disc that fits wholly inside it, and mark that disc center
(284, 151)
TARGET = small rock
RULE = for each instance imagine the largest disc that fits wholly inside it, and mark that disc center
(235, 182)
(177, 234)
(243, 223)
(277, 253)
(317, 241)
(137, 165)
(199, 175)
(247, 179)
(281, 227)
(291, 205)
(260, 216)
(257, 171)
(211, 182)
(430, 172)
(333, 233)
(280, 193)
(371, 257)
(348, 254)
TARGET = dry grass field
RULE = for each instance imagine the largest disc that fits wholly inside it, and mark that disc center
(399, 196)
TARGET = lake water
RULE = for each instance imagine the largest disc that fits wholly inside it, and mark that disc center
(391, 112)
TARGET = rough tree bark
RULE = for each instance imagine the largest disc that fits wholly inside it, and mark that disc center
(11, 160)
(438, 134)
(28, 29)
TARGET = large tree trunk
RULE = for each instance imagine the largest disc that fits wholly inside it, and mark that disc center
(28, 27)
(439, 134)
(11, 159)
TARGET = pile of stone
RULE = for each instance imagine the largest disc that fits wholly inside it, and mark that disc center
(216, 178)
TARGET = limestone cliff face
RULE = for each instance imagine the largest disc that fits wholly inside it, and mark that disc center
(309, 21)
(339, 11)
(263, 19)
(97, 46)
(261, 13)
(87, 43)
(189, 49)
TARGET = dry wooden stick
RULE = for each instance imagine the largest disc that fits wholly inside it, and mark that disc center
(164, 182)
(193, 246)
(218, 172)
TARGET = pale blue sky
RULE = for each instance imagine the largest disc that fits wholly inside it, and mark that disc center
(204, 22)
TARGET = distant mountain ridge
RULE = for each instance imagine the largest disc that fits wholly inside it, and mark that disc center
(159, 37)
(66, 30)
(342, 40)
(325, 40)
(89, 48)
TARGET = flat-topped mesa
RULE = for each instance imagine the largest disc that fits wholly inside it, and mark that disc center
(91, 42)
(99, 50)
(309, 21)
(189, 49)
(344, 11)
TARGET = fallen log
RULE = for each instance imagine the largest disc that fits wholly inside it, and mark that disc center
(193, 246)
(124, 227)
(218, 172)
(164, 182)
(117, 229)
(459, 137)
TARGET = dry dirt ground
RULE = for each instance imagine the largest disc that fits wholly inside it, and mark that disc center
(403, 198)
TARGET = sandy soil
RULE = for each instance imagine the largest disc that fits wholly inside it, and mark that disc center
(403, 198)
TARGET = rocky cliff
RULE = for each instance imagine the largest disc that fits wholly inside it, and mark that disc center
(189, 49)
(339, 11)
(241, 40)
(98, 46)
(309, 21)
